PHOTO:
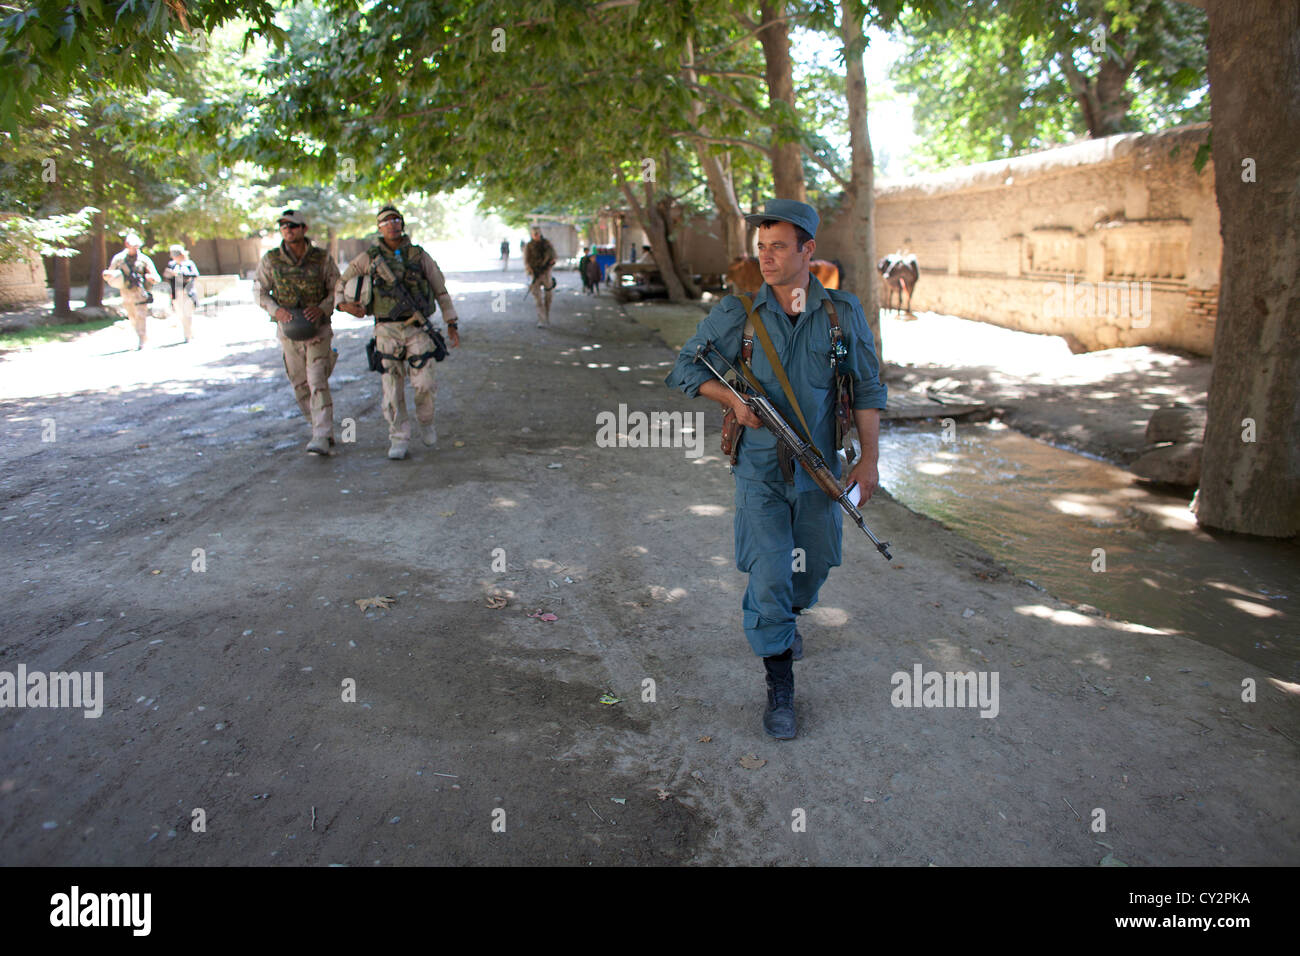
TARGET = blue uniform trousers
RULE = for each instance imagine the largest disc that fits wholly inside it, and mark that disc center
(772, 521)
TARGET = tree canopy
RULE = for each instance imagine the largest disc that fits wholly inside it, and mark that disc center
(998, 77)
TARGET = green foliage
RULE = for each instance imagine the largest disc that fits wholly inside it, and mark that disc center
(1000, 77)
(21, 235)
(47, 45)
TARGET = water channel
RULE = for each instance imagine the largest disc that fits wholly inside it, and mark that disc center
(1044, 512)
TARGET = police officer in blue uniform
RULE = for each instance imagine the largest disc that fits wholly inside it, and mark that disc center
(774, 516)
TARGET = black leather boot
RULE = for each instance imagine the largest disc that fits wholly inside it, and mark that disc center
(778, 719)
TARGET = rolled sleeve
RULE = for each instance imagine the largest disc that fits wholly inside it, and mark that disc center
(724, 327)
(868, 390)
(260, 286)
(329, 274)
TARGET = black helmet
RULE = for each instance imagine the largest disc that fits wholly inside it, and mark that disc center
(300, 328)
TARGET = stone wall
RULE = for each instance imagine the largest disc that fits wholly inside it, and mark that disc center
(1113, 242)
(22, 284)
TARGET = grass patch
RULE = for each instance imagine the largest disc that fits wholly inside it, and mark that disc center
(26, 338)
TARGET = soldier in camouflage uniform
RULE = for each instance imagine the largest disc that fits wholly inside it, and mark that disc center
(301, 276)
(539, 257)
(134, 274)
(399, 336)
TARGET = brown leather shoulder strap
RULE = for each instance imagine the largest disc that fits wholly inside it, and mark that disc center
(747, 344)
(775, 361)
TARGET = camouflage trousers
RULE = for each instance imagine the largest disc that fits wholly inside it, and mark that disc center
(308, 366)
(183, 307)
(406, 341)
(138, 314)
(542, 296)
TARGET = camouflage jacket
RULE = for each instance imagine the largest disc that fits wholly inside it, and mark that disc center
(538, 254)
(411, 266)
(286, 282)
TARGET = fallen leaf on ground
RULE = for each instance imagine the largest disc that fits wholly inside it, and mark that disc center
(610, 699)
(661, 793)
(496, 601)
(458, 444)
(751, 762)
(376, 601)
(446, 514)
(155, 572)
(706, 739)
(548, 616)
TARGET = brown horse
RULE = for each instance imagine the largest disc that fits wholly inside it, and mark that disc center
(899, 272)
(743, 275)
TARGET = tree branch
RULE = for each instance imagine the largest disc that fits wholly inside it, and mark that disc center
(722, 141)
(844, 183)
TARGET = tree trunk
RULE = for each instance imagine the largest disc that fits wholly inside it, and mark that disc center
(98, 254)
(787, 160)
(1104, 100)
(62, 287)
(859, 200)
(653, 226)
(730, 216)
(1250, 470)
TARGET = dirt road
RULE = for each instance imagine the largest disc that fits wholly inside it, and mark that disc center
(477, 735)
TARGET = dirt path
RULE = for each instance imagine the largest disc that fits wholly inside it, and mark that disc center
(224, 687)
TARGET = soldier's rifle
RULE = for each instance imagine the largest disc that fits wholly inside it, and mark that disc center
(419, 308)
(538, 275)
(801, 450)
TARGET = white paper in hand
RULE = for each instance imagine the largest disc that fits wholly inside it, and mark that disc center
(855, 494)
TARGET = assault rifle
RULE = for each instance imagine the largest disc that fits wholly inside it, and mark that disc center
(135, 280)
(802, 451)
(537, 277)
(419, 308)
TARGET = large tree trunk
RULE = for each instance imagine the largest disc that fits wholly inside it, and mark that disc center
(859, 200)
(787, 160)
(62, 287)
(1250, 476)
(98, 254)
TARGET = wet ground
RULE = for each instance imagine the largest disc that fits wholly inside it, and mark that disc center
(160, 524)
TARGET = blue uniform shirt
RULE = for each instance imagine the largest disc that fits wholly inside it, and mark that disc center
(804, 349)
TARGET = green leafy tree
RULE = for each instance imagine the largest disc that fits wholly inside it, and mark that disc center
(47, 45)
(999, 77)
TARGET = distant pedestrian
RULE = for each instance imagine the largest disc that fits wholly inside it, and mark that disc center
(183, 276)
(134, 274)
(539, 258)
(505, 254)
(582, 270)
(593, 274)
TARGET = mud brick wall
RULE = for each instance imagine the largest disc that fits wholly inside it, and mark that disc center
(1114, 242)
(22, 284)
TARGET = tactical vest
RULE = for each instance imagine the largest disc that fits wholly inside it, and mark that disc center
(408, 269)
(301, 285)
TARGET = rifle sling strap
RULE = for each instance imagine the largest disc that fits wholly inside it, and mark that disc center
(756, 320)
